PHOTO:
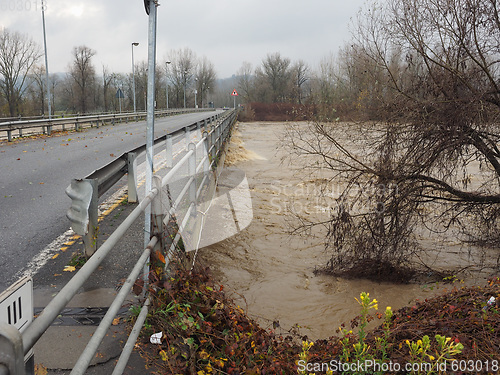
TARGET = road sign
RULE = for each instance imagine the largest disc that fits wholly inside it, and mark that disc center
(234, 93)
(119, 94)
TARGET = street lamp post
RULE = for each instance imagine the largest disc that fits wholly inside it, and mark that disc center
(185, 74)
(195, 92)
(133, 74)
(46, 61)
(166, 77)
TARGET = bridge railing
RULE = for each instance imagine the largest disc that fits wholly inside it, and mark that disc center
(46, 126)
(201, 161)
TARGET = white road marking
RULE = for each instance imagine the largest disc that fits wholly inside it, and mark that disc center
(41, 259)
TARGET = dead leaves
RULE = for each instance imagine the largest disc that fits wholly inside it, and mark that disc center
(69, 269)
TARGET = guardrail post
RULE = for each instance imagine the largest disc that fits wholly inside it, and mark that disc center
(83, 212)
(192, 173)
(158, 258)
(9, 135)
(11, 350)
(90, 239)
(49, 129)
(206, 145)
(168, 149)
(132, 177)
(76, 124)
(219, 137)
(187, 135)
(213, 144)
(20, 132)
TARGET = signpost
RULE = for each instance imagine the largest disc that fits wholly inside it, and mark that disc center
(120, 96)
(234, 94)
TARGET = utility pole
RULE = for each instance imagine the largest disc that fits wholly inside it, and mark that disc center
(46, 61)
(152, 12)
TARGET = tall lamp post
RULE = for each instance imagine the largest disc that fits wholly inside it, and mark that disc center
(195, 92)
(166, 78)
(133, 73)
(185, 74)
(46, 61)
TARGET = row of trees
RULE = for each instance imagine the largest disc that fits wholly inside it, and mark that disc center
(277, 80)
(85, 88)
(183, 78)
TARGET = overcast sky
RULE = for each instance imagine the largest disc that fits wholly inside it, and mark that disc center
(227, 32)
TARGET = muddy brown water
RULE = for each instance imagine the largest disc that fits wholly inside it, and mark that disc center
(270, 272)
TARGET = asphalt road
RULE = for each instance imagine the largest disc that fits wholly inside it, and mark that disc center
(34, 174)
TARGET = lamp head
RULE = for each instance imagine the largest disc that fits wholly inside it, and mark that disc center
(135, 44)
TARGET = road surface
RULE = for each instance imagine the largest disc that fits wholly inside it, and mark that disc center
(34, 174)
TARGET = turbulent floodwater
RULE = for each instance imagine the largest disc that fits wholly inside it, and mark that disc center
(269, 271)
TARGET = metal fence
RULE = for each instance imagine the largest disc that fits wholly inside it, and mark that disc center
(200, 159)
(46, 126)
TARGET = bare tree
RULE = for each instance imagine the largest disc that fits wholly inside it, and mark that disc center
(428, 70)
(181, 73)
(300, 74)
(205, 78)
(82, 73)
(274, 78)
(18, 54)
(107, 79)
(37, 89)
(246, 82)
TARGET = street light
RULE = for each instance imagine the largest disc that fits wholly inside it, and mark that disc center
(166, 77)
(195, 92)
(133, 73)
(46, 60)
(185, 74)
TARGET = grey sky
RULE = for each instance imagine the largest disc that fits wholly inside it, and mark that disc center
(227, 32)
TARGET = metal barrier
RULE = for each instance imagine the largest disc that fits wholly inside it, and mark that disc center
(211, 145)
(78, 122)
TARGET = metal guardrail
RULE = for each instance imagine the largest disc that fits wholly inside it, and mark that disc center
(212, 144)
(78, 122)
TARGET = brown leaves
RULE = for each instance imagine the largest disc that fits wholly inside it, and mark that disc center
(138, 286)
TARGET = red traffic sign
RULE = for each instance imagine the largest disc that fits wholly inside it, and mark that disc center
(234, 93)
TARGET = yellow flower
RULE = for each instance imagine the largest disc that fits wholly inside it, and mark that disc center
(204, 355)
(307, 345)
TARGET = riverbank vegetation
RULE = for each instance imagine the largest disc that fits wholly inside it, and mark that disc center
(425, 161)
(204, 332)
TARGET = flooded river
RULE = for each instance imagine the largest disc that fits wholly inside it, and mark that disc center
(269, 271)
